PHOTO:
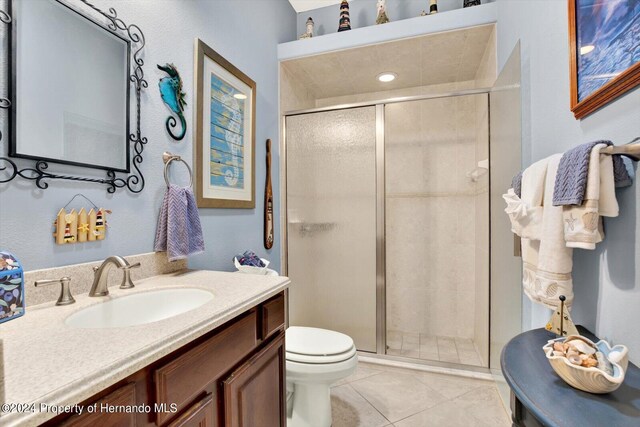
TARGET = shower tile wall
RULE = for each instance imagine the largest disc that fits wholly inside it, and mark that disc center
(293, 94)
(431, 220)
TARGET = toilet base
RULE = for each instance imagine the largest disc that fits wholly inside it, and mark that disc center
(310, 406)
(309, 391)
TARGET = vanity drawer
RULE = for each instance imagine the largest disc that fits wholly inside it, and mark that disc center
(180, 381)
(272, 315)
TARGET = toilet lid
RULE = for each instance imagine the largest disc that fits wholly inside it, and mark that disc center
(317, 342)
(321, 360)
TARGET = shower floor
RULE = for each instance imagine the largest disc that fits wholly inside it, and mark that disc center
(431, 347)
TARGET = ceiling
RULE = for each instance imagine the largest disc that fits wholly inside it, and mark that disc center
(447, 57)
(304, 5)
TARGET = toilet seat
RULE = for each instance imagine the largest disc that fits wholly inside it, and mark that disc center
(317, 346)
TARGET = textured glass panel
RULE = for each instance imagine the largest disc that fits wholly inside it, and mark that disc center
(331, 208)
(506, 152)
(436, 228)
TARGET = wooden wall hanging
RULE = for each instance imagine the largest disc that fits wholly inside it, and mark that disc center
(268, 203)
(80, 226)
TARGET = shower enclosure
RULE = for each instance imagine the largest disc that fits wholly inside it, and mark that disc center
(387, 234)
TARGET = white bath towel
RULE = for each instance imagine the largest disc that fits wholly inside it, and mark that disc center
(525, 213)
(608, 202)
(547, 261)
(583, 224)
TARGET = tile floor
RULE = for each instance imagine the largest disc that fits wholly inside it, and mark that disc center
(429, 347)
(377, 396)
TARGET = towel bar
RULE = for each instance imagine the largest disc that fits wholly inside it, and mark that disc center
(631, 149)
(167, 158)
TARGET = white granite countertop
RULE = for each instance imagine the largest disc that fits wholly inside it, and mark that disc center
(47, 362)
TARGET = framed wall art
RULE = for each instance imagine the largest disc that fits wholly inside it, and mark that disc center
(225, 132)
(604, 47)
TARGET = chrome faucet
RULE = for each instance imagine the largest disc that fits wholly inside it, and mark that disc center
(99, 288)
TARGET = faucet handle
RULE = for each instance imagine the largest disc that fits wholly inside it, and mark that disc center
(130, 266)
(65, 297)
(126, 277)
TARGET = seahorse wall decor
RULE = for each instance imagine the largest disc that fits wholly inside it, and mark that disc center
(173, 96)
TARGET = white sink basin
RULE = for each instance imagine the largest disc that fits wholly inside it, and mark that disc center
(140, 308)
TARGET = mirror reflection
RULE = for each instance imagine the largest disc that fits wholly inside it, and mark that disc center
(71, 87)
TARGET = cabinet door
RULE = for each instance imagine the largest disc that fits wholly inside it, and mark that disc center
(199, 415)
(254, 394)
(180, 381)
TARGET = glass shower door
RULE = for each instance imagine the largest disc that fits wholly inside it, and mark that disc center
(331, 221)
(437, 229)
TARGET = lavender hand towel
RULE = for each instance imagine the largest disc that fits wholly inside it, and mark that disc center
(571, 179)
(179, 232)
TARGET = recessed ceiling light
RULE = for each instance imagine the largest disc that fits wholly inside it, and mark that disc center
(240, 96)
(586, 49)
(387, 77)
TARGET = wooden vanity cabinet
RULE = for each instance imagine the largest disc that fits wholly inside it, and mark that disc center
(231, 376)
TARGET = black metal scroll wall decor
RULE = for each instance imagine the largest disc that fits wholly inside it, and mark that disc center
(134, 180)
(5, 103)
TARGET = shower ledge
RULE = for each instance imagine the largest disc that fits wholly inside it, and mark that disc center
(412, 27)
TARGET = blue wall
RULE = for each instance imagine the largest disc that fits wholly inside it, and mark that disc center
(606, 281)
(363, 13)
(246, 33)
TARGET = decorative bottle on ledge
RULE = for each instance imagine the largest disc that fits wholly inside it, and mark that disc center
(433, 7)
(469, 3)
(345, 20)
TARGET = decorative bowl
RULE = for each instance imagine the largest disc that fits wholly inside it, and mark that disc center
(591, 380)
(248, 269)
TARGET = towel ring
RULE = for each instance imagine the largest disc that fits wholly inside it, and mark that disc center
(167, 158)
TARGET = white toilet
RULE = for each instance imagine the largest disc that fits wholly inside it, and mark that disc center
(316, 358)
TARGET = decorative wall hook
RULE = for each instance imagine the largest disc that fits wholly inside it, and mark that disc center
(173, 97)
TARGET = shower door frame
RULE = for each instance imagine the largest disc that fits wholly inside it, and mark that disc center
(381, 307)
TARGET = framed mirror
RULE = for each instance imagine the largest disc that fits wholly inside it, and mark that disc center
(73, 70)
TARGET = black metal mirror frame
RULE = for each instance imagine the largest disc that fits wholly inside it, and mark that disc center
(134, 180)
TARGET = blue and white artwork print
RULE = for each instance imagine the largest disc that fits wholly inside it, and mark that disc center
(227, 138)
(224, 133)
(608, 41)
